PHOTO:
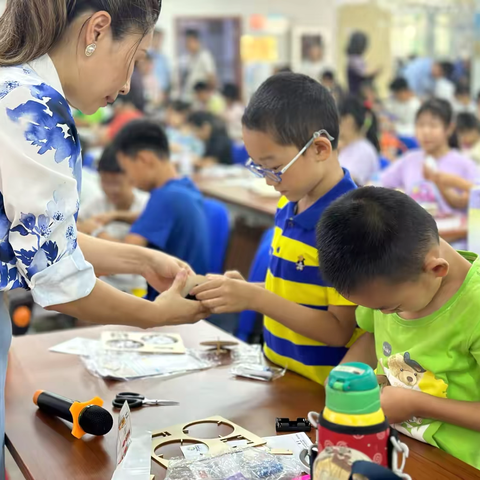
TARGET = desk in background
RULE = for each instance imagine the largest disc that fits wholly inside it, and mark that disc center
(44, 448)
(254, 213)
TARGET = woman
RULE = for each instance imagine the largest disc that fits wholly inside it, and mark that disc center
(358, 145)
(356, 67)
(59, 53)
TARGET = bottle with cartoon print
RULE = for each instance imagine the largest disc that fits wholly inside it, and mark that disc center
(352, 426)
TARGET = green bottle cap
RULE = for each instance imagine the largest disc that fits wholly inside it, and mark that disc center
(352, 388)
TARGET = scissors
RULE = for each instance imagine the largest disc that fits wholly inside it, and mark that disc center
(135, 400)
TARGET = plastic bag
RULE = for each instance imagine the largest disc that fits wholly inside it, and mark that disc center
(251, 463)
(257, 372)
(132, 365)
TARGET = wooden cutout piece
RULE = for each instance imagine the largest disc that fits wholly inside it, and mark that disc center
(280, 451)
(192, 282)
(220, 346)
(143, 342)
(179, 433)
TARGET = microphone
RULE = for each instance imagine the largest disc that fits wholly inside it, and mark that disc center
(88, 417)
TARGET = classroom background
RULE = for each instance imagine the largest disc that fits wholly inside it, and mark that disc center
(209, 57)
(380, 59)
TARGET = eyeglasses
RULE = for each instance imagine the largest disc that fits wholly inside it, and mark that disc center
(260, 172)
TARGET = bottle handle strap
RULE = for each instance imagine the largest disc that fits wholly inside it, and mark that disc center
(313, 419)
(402, 449)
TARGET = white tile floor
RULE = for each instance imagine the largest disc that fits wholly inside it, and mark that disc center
(12, 469)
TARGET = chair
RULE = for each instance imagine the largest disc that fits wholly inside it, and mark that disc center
(239, 154)
(258, 273)
(384, 163)
(218, 220)
(411, 143)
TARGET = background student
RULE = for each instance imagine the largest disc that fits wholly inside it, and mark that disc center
(358, 144)
(174, 219)
(433, 129)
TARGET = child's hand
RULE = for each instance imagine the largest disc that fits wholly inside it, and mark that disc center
(226, 294)
(399, 404)
(233, 274)
(177, 309)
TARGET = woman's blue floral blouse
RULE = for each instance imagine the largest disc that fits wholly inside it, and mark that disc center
(40, 181)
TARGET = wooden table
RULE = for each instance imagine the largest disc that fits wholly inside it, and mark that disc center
(242, 197)
(45, 450)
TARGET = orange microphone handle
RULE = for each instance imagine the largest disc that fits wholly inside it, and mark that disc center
(65, 408)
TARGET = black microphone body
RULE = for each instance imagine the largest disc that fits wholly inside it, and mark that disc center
(88, 417)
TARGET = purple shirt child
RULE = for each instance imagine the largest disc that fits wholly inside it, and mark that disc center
(361, 159)
(407, 174)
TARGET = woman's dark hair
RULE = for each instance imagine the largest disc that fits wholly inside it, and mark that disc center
(357, 44)
(30, 28)
(364, 118)
(439, 108)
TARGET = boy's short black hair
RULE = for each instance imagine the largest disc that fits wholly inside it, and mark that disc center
(142, 135)
(398, 85)
(467, 122)
(373, 233)
(179, 106)
(201, 87)
(328, 75)
(439, 108)
(192, 33)
(292, 107)
(461, 89)
(231, 92)
(108, 161)
(199, 119)
(447, 68)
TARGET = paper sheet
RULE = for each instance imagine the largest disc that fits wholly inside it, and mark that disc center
(295, 442)
(76, 346)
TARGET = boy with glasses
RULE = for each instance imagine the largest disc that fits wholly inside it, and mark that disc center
(290, 129)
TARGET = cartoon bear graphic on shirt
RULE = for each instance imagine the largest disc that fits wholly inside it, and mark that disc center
(403, 371)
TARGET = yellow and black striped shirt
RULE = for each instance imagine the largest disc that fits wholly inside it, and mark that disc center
(294, 274)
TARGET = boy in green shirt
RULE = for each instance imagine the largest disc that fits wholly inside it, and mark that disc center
(421, 309)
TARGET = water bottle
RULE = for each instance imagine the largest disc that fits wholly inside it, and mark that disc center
(352, 427)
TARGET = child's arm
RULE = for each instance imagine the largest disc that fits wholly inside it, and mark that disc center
(363, 350)
(125, 216)
(333, 327)
(401, 404)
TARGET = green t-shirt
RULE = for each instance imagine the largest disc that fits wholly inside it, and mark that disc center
(439, 355)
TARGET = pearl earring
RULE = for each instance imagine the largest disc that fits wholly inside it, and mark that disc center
(90, 50)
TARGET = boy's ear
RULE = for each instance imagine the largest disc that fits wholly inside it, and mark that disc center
(323, 148)
(145, 157)
(437, 266)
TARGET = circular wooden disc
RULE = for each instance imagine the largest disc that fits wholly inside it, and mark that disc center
(219, 344)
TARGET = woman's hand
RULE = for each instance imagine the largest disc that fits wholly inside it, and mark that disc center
(160, 269)
(177, 309)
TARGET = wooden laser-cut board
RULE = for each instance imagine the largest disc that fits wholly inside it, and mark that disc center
(143, 342)
(177, 434)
